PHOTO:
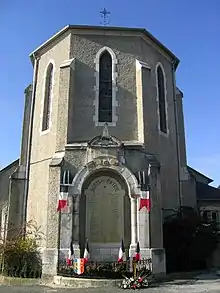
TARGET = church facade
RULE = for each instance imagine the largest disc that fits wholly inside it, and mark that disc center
(103, 129)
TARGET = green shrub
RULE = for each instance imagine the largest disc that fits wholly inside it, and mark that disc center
(20, 255)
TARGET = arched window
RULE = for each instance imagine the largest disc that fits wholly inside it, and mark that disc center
(161, 99)
(105, 88)
(47, 98)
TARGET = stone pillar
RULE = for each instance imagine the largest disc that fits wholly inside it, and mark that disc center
(156, 223)
(133, 227)
(65, 103)
(143, 220)
(15, 201)
(149, 225)
(66, 229)
(50, 253)
(75, 222)
(25, 127)
(133, 221)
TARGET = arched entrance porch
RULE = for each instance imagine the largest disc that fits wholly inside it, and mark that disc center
(85, 179)
(105, 214)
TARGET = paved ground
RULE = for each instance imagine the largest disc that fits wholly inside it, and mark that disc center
(204, 283)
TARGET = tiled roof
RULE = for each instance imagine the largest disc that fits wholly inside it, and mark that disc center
(207, 192)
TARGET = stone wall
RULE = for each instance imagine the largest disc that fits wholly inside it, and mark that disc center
(5, 188)
(44, 143)
(5, 175)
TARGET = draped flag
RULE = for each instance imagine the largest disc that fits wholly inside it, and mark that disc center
(145, 200)
(145, 193)
(62, 202)
(121, 252)
(86, 252)
(137, 252)
(70, 254)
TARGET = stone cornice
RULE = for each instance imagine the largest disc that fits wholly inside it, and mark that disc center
(68, 63)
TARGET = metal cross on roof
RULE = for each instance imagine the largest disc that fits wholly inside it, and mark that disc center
(104, 14)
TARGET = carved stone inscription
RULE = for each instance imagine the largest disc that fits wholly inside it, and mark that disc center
(104, 205)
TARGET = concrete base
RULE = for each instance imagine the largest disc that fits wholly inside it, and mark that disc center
(49, 262)
(83, 282)
(50, 258)
(104, 252)
(158, 261)
(157, 256)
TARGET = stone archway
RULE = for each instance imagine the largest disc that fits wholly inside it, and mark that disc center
(111, 165)
(105, 214)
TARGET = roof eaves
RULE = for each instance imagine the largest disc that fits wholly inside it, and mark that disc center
(190, 169)
(178, 91)
(9, 166)
(176, 61)
(142, 30)
(46, 43)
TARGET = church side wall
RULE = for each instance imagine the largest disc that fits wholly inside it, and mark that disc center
(25, 127)
(182, 141)
(163, 146)
(44, 144)
(38, 195)
(84, 49)
(127, 50)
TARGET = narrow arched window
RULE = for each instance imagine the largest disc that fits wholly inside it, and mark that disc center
(161, 100)
(105, 88)
(47, 98)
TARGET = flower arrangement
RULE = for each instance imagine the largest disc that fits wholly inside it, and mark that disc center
(104, 270)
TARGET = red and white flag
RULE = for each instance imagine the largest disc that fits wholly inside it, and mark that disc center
(86, 253)
(70, 254)
(62, 202)
(137, 252)
(121, 252)
(145, 200)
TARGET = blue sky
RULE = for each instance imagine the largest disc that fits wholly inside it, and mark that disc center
(189, 28)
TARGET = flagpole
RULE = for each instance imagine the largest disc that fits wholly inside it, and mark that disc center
(149, 194)
(149, 221)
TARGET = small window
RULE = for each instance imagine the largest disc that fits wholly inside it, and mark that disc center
(161, 100)
(205, 215)
(47, 98)
(214, 216)
(105, 88)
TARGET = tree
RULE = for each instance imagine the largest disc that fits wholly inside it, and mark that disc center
(188, 240)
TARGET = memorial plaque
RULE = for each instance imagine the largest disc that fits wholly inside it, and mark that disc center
(104, 219)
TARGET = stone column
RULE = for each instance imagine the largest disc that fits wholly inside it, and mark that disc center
(133, 221)
(149, 225)
(156, 223)
(75, 230)
(133, 227)
(50, 253)
(65, 103)
(143, 219)
(66, 228)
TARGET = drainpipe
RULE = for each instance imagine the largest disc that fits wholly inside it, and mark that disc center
(177, 136)
(30, 132)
